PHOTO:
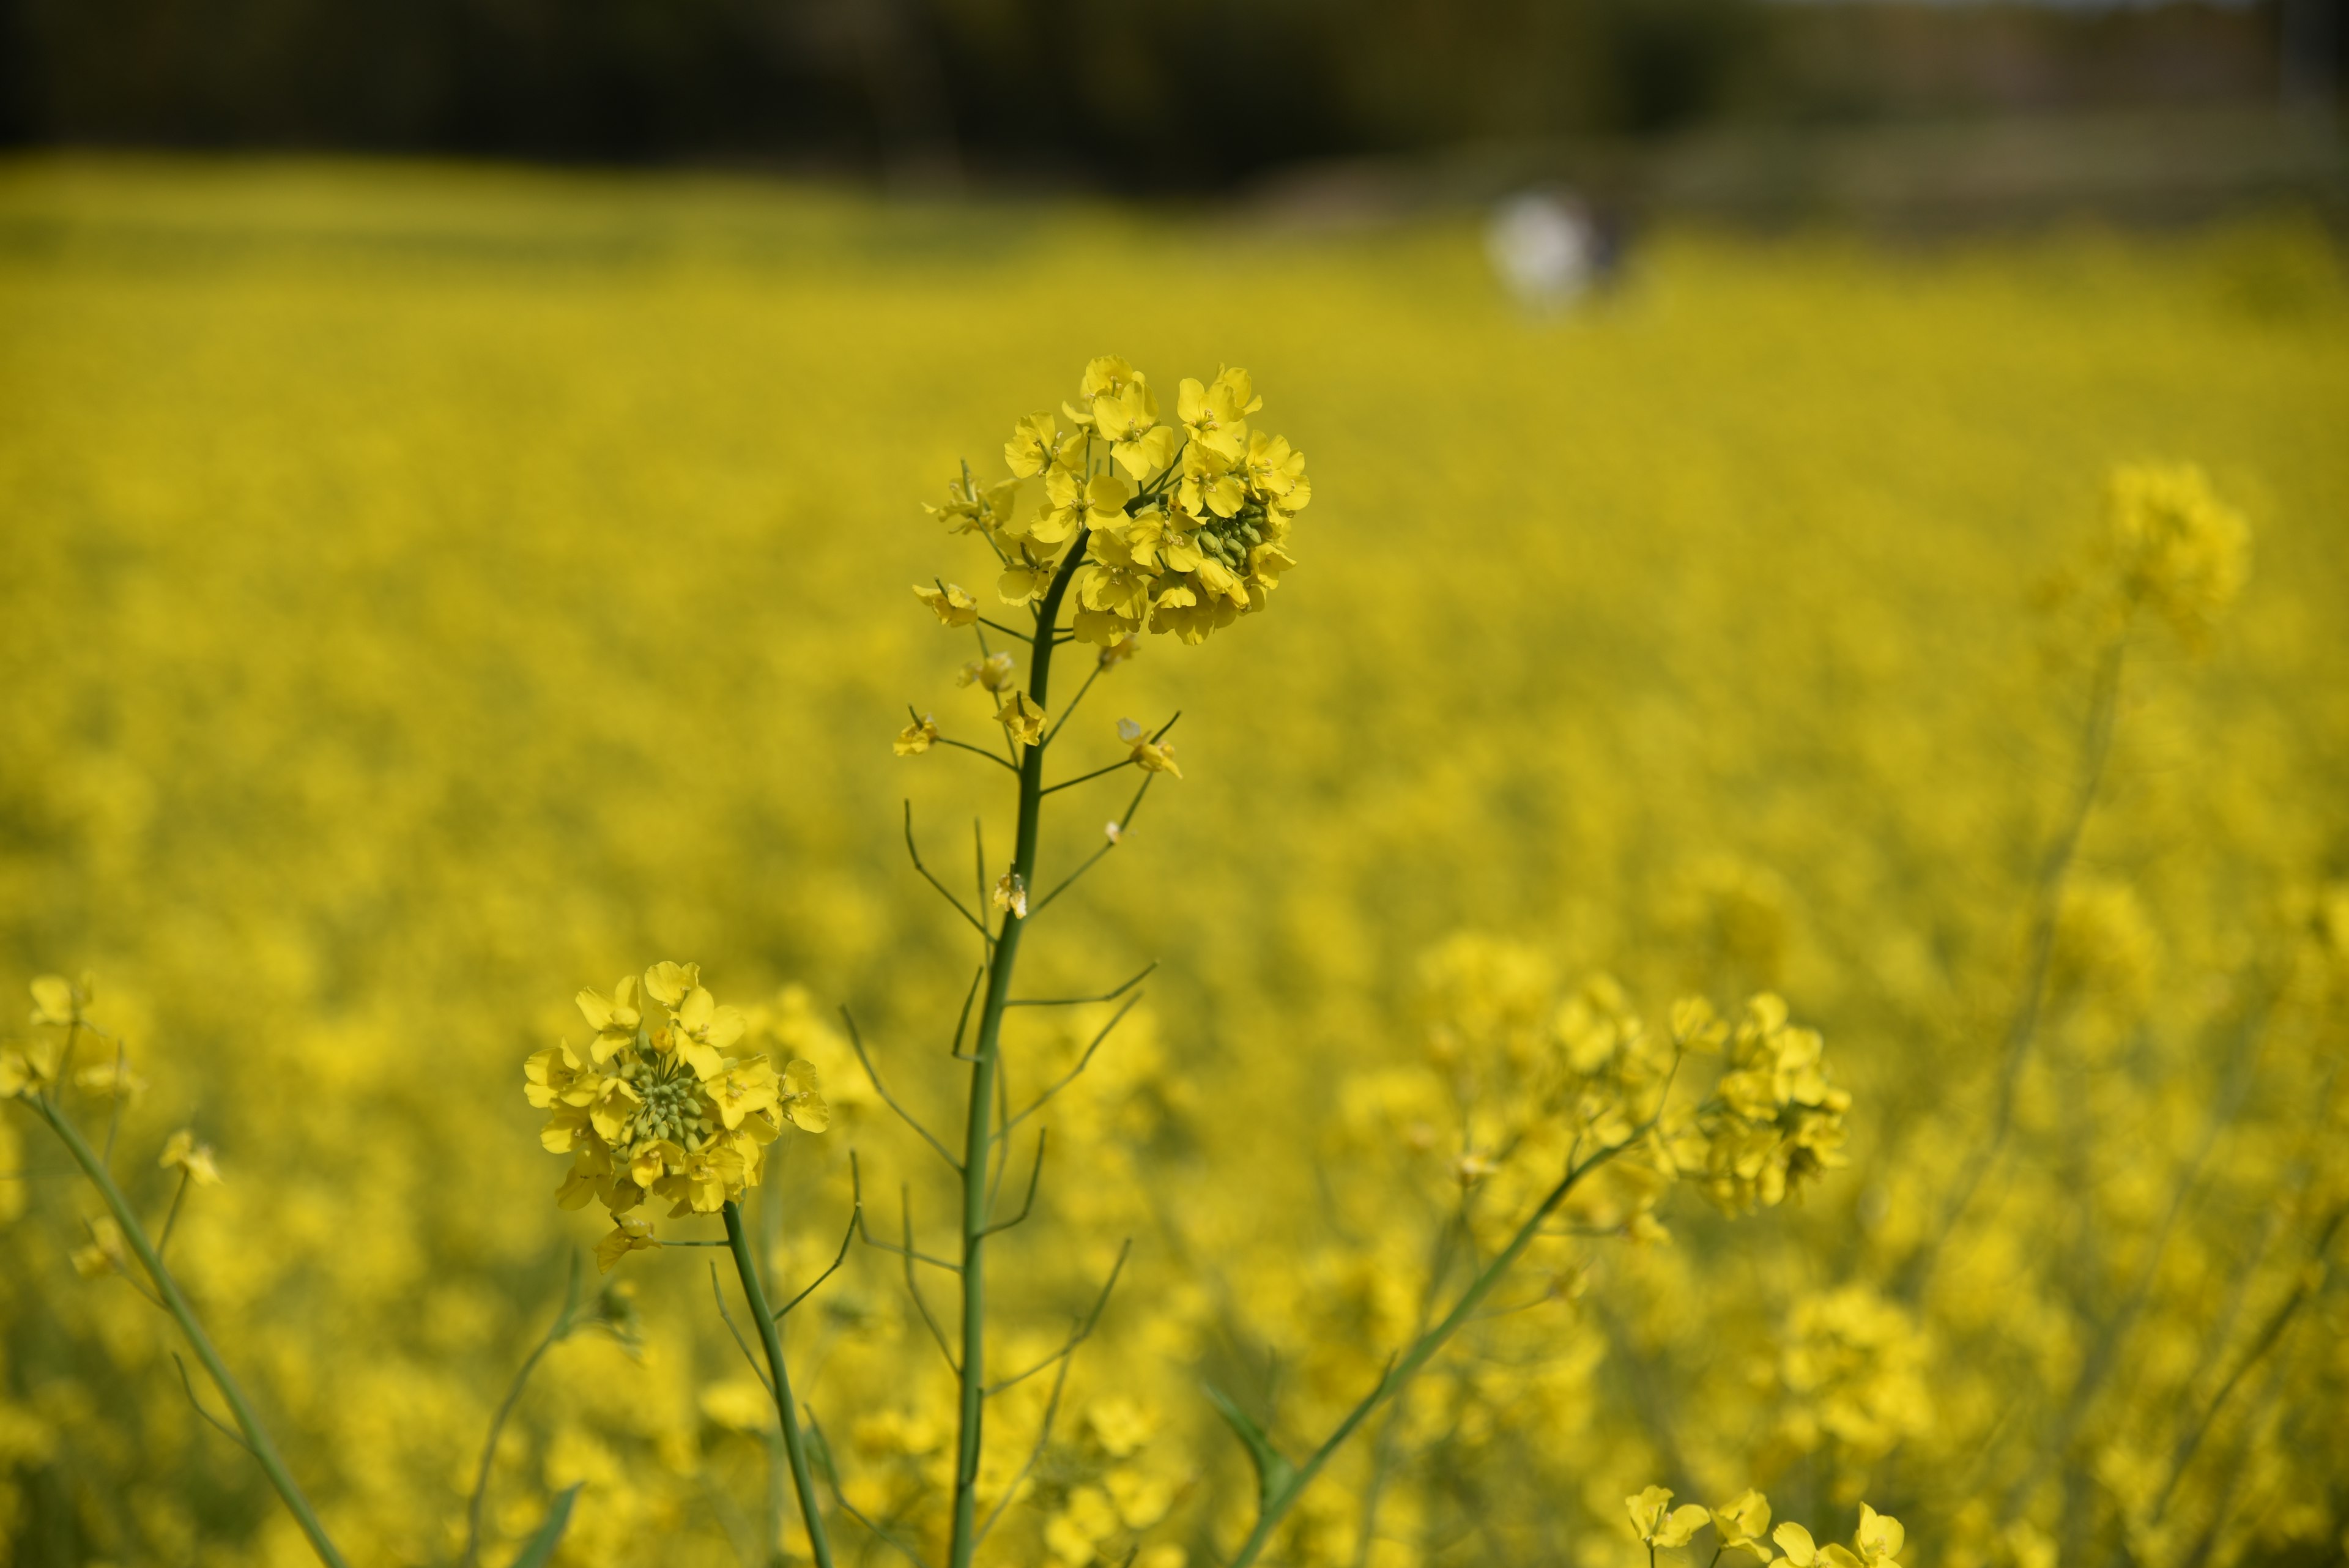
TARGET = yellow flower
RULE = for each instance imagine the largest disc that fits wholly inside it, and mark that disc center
(668, 982)
(1128, 420)
(950, 604)
(2179, 550)
(114, 1080)
(1775, 1120)
(57, 1001)
(28, 1067)
(105, 1252)
(1276, 472)
(916, 737)
(701, 1031)
(700, 1181)
(193, 1160)
(1151, 756)
(1105, 376)
(972, 510)
(630, 1234)
(740, 1405)
(1035, 441)
(1118, 651)
(1802, 1552)
(1025, 580)
(1742, 1522)
(1021, 716)
(799, 1098)
(1211, 484)
(741, 1089)
(1216, 415)
(673, 1113)
(614, 1019)
(1011, 893)
(1880, 1537)
(992, 673)
(1658, 1523)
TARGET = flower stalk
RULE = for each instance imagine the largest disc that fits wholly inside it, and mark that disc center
(256, 1437)
(771, 1340)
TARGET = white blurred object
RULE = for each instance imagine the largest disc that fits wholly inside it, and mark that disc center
(1545, 246)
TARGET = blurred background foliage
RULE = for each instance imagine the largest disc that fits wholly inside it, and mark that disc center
(1195, 97)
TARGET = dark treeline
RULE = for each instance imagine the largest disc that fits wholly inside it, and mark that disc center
(1130, 94)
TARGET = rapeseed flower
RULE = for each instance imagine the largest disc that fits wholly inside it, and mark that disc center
(670, 1112)
(1658, 1523)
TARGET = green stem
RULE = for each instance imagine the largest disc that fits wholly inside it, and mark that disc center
(979, 1128)
(819, 1545)
(1400, 1372)
(256, 1437)
(556, 1332)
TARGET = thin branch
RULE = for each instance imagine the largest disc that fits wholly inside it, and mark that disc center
(163, 1241)
(188, 1383)
(1124, 823)
(2047, 895)
(979, 882)
(891, 1100)
(963, 1022)
(832, 1474)
(1084, 1328)
(1036, 1452)
(2311, 1280)
(1079, 1001)
(913, 1286)
(114, 1116)
(1005, 630)
(557, 1331)
(977, 924)
(975, 751)
(1069, 711)
(1035, 1172)
(1088, 778)
(719, 1294)
(1071, 1075)
(855, 1222)
(864, 1229)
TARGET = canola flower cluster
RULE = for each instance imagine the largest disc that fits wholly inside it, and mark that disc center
(665, 1111)
(1183, 527)
(419, 607)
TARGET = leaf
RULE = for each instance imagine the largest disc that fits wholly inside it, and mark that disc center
(542, 1546)
(1273, 1473)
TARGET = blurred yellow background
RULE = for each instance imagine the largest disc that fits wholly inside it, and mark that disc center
(431, 590)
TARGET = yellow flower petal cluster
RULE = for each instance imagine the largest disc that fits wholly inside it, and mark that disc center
(2180, 551)
(1183, 527)
(1774, 1120)
(1741, 1522)
(664, 1110)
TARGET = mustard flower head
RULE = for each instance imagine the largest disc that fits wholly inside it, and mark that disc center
(1775, 1119)
(2179, 550)
(1178, 527)
(665, 1109)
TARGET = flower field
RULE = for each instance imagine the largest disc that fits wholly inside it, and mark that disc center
(431, 592)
